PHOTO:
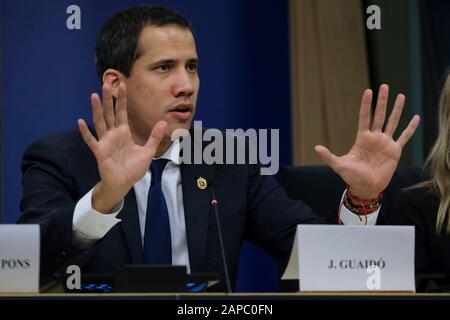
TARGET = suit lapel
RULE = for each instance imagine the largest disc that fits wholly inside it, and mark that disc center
(196, 211)
(131, 228)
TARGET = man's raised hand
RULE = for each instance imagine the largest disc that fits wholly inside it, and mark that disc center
(371, 162)
(121, 162)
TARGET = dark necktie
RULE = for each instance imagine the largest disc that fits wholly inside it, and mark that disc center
(157, 241)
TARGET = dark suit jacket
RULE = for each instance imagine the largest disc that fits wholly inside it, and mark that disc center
(418, 207)
(60, 169)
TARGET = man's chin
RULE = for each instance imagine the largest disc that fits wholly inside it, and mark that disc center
(175, 132)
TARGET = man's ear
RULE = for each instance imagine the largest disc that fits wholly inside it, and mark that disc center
(113, 77)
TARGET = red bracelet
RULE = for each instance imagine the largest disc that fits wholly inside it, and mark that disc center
(363, 202)
(363, 208)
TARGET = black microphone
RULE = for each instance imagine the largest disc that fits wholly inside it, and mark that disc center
(210, 178)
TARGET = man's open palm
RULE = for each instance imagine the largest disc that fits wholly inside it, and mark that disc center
(371, 162)
(121, 162)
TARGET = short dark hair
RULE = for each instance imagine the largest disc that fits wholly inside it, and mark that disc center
(117, 41)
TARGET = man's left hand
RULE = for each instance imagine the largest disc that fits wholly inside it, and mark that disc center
(371, 162)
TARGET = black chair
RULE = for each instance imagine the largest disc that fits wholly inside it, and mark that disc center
(321, 188)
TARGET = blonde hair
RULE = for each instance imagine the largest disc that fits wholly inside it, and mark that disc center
(439, 160)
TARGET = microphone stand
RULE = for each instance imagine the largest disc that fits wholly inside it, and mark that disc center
(214, 204)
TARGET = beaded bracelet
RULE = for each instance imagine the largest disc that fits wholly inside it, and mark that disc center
(363, 208)
(358, 202)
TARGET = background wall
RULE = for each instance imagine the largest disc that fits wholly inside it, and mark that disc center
(49, 73)
(329, 75)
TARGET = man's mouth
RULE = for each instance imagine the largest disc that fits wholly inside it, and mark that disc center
(182, 107)
(182, 111)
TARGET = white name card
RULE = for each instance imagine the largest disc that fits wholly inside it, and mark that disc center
(19, 258)
(353, 258)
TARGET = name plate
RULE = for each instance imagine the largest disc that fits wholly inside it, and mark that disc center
(353, 258)
(19, 258)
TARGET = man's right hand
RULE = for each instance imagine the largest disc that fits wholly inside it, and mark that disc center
(121, 162)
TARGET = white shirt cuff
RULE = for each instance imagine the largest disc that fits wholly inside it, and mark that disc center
(90, 225)
(348, 217)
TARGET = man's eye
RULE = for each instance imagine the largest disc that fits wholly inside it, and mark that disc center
(193, 67)
(164, 67)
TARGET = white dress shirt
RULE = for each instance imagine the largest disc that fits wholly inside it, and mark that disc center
(89, 225)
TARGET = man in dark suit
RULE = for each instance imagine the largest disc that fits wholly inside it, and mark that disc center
(97, 201)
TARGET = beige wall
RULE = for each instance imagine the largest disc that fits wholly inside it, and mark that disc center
(329, 74)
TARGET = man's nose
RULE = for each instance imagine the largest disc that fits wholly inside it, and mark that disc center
(183, 85)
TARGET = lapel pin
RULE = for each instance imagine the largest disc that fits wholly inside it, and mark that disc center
(201, 183)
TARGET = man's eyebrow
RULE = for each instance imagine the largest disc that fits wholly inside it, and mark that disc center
(162, 61)
(172, 61)
(194, 60)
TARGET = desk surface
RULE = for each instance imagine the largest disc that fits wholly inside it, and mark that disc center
(234, 296)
